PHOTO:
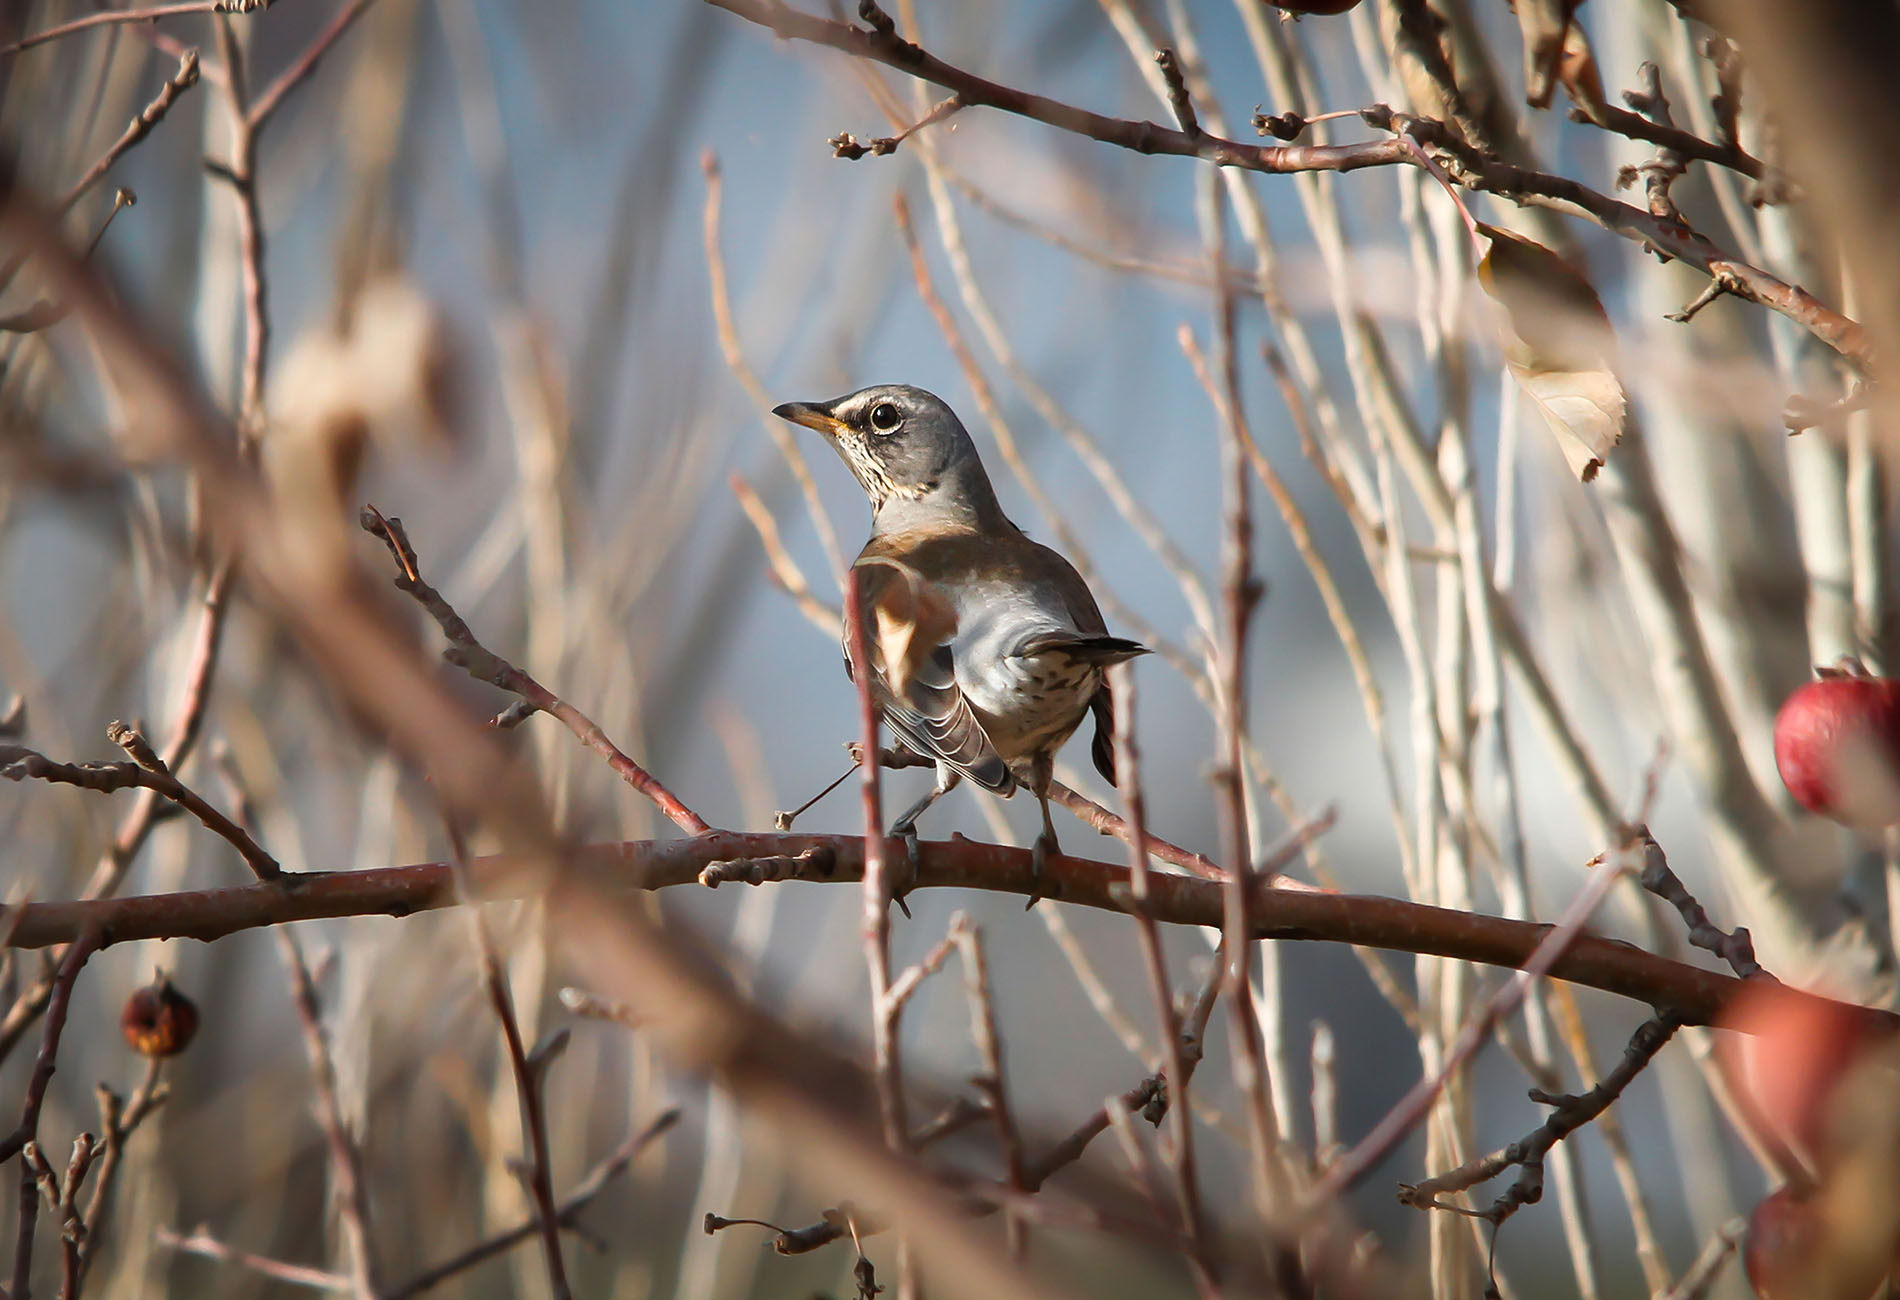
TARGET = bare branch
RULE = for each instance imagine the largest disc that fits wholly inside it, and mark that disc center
(468, 654)
(1396, 925)
(1466, 163)
(1571, 1113)
(577, 1200)
(152, 13)
(22, 764)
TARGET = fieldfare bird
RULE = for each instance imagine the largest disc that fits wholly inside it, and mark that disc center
(987, 648)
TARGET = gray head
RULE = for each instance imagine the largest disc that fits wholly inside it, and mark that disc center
(909, 453)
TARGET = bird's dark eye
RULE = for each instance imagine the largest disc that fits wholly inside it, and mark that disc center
(885, 417)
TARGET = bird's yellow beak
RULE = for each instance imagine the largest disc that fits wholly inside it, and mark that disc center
(811, 415)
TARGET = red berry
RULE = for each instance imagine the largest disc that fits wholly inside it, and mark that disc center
(1837, 745)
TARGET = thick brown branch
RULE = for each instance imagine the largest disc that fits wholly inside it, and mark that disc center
(1698, 995)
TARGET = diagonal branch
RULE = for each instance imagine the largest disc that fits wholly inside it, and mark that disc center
(1571, 1113)
(22, 764)
(576, 1200)
(1474, 168)
(152, 13)
(472, 657)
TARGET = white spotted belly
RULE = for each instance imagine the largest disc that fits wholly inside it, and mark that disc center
(1030, 705)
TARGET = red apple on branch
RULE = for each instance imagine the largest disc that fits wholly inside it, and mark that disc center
(1837, 745)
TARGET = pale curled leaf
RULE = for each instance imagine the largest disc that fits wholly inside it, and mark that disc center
(1559, 344)
(1586, 409)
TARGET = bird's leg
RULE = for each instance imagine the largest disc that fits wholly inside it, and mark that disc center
(1045, 842)
(905, 828)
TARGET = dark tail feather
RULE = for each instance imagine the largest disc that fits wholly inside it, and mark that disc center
(1102, 750)
(1100, 651)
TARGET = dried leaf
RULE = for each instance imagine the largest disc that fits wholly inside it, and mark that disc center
(1584, 408)
(1558, 342)
(1543, 23)
(1577, 71)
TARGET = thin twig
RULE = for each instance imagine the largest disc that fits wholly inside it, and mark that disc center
(152, 13)
(1241, 592)
(468, 654)
(789, 447)
(1732, 946)
(118, 1120)
(1412, 1108)
(527, 1080)
(1181, 1133)
(202, 1243)
(875, 909)
(1571, 1113)
(785, 570)
(578, 1199)
(272, 97)
(1701, 1275)
(348, 1186)
(136, 130)
(58, 1006)
(991, 1083)
(1470, 166)
(21, 763)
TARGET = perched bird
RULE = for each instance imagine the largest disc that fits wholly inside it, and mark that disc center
(987, 648)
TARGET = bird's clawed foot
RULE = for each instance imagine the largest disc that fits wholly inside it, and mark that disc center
(913, 866)
(1041, 884)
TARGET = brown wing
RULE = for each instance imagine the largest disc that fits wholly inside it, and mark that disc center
(929, 712)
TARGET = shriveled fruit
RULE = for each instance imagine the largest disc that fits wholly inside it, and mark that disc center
(158, 1020)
